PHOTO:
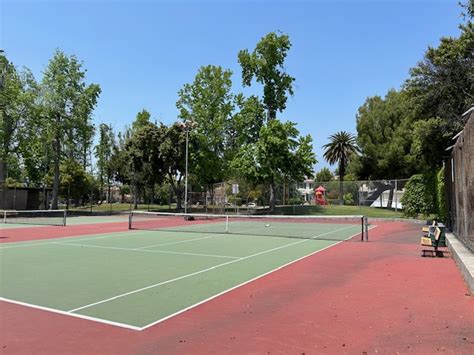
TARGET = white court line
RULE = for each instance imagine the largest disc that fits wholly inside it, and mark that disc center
(172, 243)
(77, 315)
(52, 241)
(199, 272)
(244, 283)
(124, 234)
(147, 251)
(99, 320)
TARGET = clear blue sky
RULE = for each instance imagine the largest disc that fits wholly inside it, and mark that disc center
(142, 52)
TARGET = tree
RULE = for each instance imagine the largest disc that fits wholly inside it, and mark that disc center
(341, 146)
(208, 101)
(244, 127)
(430, 140)
(68, 103)
(442, 84)
(324, 175)
(141, 120)
(18, 111)
(384, 135)
(468, 7)
(104, 152)
(173, 155)
(120, 164)
(266, 64)
(143, 155)
(75, 182)
(279, 153)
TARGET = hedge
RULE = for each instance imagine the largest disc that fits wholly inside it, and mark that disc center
(420, 195)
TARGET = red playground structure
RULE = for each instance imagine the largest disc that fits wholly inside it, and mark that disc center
(319, 196)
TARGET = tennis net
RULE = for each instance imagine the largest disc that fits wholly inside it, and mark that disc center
(35, 217)
(305, 227)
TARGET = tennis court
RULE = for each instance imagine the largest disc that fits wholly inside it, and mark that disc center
(164, 265)
(25, 219)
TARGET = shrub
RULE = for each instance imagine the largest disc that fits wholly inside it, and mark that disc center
(441, 195)
(419, 196)
(295, 201)
(348, 199)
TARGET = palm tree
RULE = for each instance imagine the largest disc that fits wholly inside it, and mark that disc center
(342, 144)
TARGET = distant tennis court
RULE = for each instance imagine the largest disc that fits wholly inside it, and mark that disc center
(164, 265)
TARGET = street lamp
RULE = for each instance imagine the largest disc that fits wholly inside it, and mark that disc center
(187, 126)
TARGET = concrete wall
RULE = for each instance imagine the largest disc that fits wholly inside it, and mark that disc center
(459, 176)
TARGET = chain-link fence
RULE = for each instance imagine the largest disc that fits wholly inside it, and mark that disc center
(298, 197)
(459, 180)
(233, 196)
(376, 193)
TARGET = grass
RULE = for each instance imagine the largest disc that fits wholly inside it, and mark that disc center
(341, 211)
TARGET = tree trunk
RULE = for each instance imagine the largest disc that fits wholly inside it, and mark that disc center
(177, 190)
(272, 196)
(341, 190)
(341, 182)
(101, 188)
(271, 114)
(135, 196)
(178, 199)
(68, 195)
(170, 197)
(109, 200)
(84, 157)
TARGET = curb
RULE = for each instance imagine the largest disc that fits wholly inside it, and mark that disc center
(464, 259)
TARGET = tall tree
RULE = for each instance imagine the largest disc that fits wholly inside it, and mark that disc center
(384, 135)
(280, 153)
(18, 110)
(266, 65)
(341, 146)
(68, 103)
(140, 153)
(104, 152)
(173, 155)
(442, 84)
(208, 101)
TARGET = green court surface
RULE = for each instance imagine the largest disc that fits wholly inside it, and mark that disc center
(138, 278)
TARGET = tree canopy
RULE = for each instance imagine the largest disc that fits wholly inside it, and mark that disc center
(266, 65)
(408, 131)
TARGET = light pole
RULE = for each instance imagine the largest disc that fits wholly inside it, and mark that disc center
(187, 126)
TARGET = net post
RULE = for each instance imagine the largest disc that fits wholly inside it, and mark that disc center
(363, 229)
(5, 216)
(227, 224)
(64, 218)
(130, 220)
(366, 229)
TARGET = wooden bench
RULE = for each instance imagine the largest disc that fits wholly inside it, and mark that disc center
(434, 237)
